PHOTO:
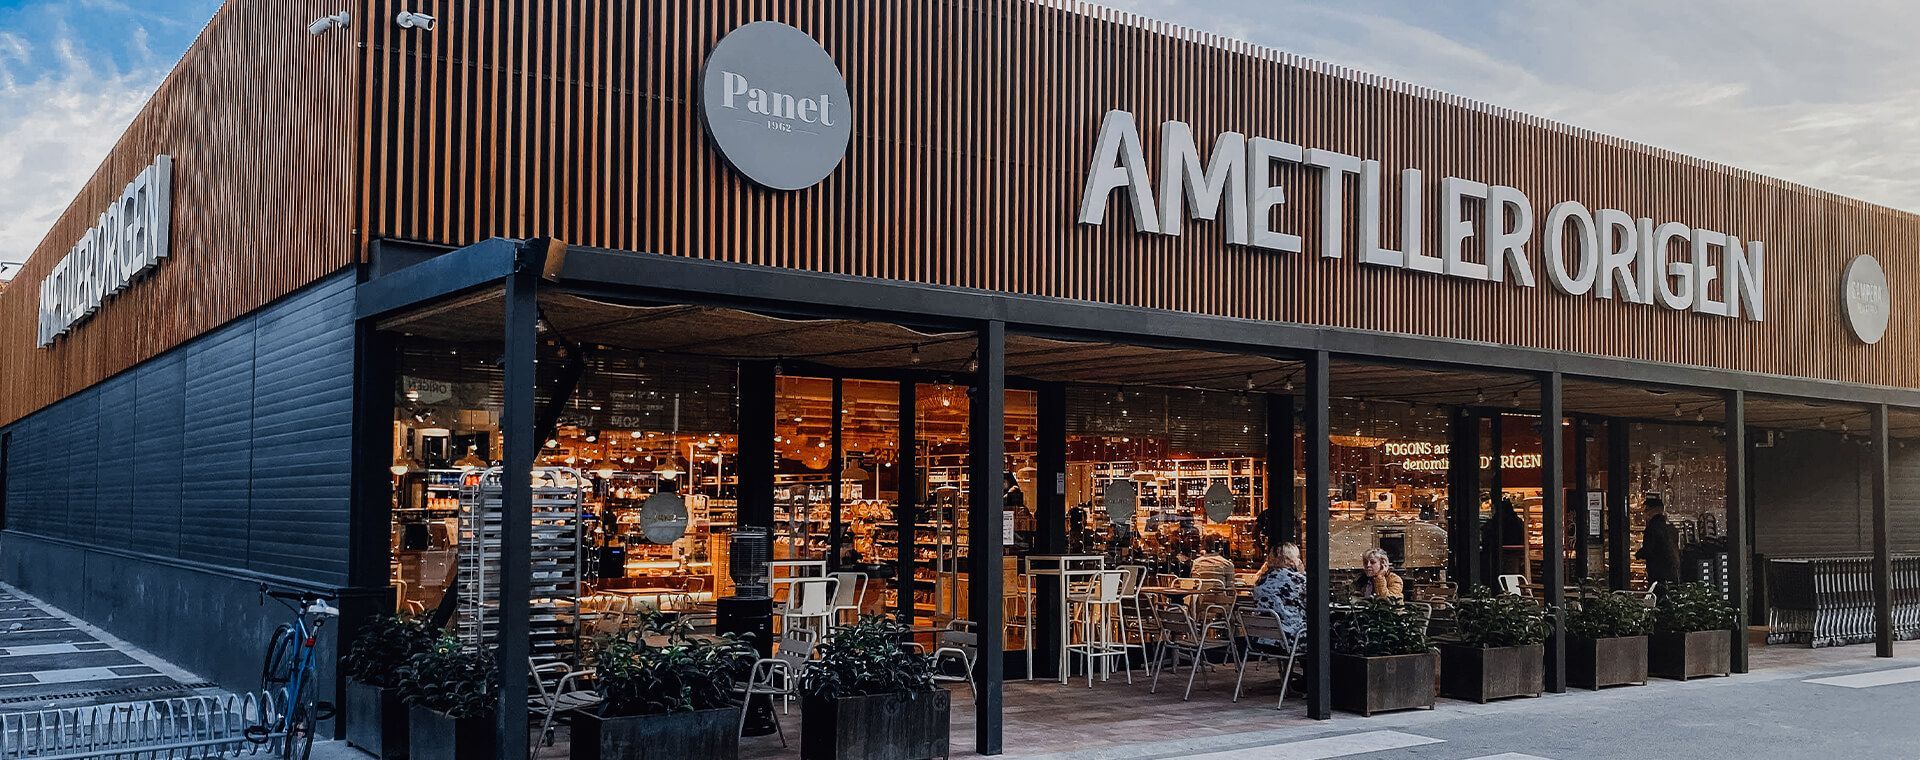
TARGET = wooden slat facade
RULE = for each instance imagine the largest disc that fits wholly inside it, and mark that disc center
(260, 120)
(974, 124)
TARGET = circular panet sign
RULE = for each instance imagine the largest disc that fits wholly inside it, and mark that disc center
(776, 105)
(663, 518)
(1218, 502)
(1867, 299)
(1120, 499)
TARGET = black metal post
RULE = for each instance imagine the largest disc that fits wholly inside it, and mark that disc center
(1463, 499)
(907, 515)
(1282, 517)
(1582, 553)
(521, 336)
(1051, 522)
(986, 463)
(756, 460)
(836, 466)
(1882, 543)
(1495, 557)
(1739, 551)
(1619, 525)
(1553, 532)
(1319, 653)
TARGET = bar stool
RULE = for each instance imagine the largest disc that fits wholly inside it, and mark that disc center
(1130, 594)
(809, 606)
(1100, 616)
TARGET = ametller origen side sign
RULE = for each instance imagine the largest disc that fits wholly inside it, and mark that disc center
(130, 238)
(1613, 255)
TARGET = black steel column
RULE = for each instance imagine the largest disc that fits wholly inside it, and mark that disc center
(838, 465)
(987, 461)
(1553, 532)
(1319, 654)
(1619, 525)
(1739, 551)
(1463, 499)
(521, 336)
(1051, 523)
(907, 515)
(1882, 543)
(1495, 557)
(1582, 554)
(1282, 515)
(757, 458)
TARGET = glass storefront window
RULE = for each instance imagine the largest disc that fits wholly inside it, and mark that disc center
(1390, 476)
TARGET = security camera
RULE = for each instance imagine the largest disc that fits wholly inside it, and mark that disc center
(411, 20)
(323, 24)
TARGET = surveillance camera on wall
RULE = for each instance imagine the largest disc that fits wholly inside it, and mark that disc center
(411, 20)
(324, 24)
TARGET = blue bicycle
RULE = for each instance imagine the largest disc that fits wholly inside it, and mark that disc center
(289, 669)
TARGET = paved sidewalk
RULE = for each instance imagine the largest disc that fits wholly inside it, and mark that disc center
(49, 659)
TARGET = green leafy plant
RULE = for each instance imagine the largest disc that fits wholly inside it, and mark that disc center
(1689, 607)
(1379, 627)
(384, 644)
(866, 658)
(1602, 614)
(686, 674)
(1490, 619)
(452, 679)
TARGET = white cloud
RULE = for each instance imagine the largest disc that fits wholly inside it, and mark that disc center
(1817, 93)
(56, 125)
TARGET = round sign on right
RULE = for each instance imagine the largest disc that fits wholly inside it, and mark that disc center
(1866, 299)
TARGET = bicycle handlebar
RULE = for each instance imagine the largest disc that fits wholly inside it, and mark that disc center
(303, 597)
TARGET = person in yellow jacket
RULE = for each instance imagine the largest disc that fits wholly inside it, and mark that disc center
(1377, 577)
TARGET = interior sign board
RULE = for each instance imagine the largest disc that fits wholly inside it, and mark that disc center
(129, 240)
(776, 106)
(1486, 231)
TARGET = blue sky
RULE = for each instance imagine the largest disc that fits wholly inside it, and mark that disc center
(1822, 93)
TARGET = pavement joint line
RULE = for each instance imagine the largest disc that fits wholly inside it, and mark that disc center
(1324, 748)
(142, 656)
(1871, 678)
(1509, 756)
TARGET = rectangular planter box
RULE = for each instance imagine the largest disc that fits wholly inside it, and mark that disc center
(700, 735)
(1485, 673)
(376, 721)
(878, 727)
(1690, 655)
(1617, 661)
(1368, 685)
(438, 737)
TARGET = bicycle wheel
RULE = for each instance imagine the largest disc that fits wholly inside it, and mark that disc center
(277, 670)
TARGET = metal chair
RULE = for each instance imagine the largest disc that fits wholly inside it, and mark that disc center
(779, 675)
(550, 700)
(850, 590)
(1099, 613)
(1130, 593)
(959, 644)
(1515, 585)
(810, 604)
(1185, 636)
(1267, 640)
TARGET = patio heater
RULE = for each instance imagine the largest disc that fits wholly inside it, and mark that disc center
(748, 613)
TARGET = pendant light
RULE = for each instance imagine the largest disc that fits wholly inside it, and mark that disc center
(401, 465)
(670, 467)
(471, 461)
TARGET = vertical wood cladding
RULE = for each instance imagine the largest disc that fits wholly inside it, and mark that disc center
(261, 120)
(974, 124)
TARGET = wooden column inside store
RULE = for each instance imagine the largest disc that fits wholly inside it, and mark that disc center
(986, 463)
(1051, 523)
(1739, 550)
(521, 335)
(1882, 543)
(1319, 654)
(1553, 528)
(1619, 524)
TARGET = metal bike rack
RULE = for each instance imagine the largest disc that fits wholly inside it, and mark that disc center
(185, 727)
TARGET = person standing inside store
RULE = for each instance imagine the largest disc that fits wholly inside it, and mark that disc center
(1377, 578)
(1017, 514)
(1503, 543)
(1659, 547)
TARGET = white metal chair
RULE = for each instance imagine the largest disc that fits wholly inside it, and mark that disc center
(810, 605)
(779, 675)
(1267, 640)
(850, 591)
(1100, 615)
(959, 645)
(1185, 636)
(1130, 594)
(1515, 585)
(551, 699)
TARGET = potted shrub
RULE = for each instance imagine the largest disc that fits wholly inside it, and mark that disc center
(1498, 650)
(670, 702)
(865, 698)
(1692, 633)
(450, 691)
(1607, 640)
(1381, 660)
(376, 718)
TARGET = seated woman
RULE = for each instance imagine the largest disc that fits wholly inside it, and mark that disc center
(1282, 588)
(1378, 578)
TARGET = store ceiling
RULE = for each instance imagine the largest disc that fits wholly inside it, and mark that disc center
(849, 344)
